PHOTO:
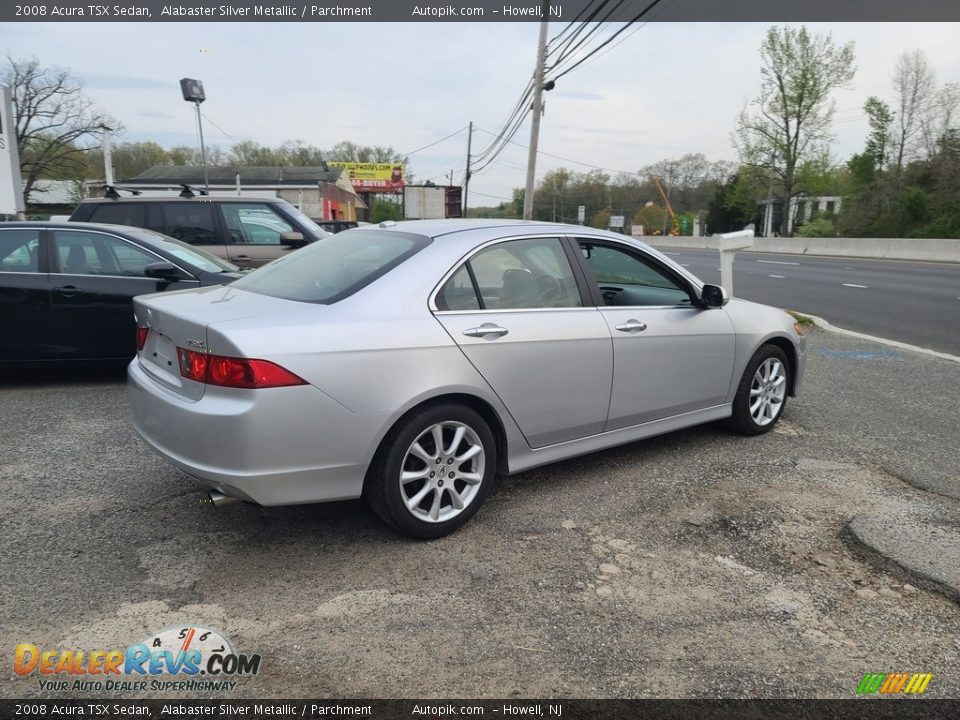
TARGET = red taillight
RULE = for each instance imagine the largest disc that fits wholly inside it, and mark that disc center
(142, 333)
(234, 372)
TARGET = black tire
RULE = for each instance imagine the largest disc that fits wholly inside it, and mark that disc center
(742, 420)
(386, 496)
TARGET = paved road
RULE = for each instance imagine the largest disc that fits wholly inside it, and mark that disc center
(913, 302)
(696, 564)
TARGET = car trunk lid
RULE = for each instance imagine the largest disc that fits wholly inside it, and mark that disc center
(181, 320)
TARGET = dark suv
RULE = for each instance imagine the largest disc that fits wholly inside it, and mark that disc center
(247, 231)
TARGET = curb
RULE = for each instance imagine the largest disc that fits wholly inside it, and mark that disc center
(820, 322)
(904, 558)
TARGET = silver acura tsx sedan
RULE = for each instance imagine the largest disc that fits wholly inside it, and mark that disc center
(412, 363)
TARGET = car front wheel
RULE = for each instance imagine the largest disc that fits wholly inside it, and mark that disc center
(762, 392)
(433, 471)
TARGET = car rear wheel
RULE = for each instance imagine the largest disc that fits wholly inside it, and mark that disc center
(762, 392)
(433, 471)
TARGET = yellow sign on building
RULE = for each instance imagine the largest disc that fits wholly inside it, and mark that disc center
(373, 177)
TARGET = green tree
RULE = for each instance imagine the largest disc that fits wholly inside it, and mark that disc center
(791, 120)
(385, 210)
(880, 118)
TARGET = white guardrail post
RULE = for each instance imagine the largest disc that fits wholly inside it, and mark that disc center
(728, 244)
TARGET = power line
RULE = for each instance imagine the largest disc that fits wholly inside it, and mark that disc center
(435, 142)
(606, 42)
(235, 141)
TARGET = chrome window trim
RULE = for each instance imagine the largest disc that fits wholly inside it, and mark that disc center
(53, 240)
(432, 302)
(491, 311)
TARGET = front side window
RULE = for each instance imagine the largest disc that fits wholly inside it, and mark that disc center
(253, 224)
(514, 275)
(333, 267)
(626, 279)
(86, 253)
(20, 250)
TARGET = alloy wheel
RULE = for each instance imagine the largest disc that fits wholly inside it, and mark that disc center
(767, 391)
(442, 471)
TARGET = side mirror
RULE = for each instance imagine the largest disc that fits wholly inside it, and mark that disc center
(713, 296)
(292, 239)
(162, 271)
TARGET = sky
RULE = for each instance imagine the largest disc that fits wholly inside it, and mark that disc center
(660, 91)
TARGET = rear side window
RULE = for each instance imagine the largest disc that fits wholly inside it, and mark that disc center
(513, 275)
(190, 222)
(120, 213)
(334, 267)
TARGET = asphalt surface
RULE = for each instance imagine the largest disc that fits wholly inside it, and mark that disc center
(913, 302)
(696, 564)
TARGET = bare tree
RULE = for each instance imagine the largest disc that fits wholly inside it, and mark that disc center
(53, 118)
(793, 113)
(942, 116)
(913, 83)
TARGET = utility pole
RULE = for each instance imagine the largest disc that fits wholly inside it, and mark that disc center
(466, 177)
(203, 149)
(537, 112)
(107, 156)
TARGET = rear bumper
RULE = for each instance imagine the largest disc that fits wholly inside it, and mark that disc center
(279, 446)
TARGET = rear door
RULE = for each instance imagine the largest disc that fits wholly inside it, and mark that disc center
(670, 356)
(26, 332)
(517, 312)
(94, 278)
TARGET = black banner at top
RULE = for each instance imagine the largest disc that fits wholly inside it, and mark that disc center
(489, 11)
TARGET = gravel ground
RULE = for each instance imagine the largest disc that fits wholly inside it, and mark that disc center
(697, 564)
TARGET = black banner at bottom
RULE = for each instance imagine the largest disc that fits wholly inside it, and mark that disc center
(865, 709)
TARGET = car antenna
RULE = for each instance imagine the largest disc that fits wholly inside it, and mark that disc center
(190, 191)
(112, 191)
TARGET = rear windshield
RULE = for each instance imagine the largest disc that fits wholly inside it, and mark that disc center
(334, 267)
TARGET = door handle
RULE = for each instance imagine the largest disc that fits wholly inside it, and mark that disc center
(486, 331)
(242, 257)
(632, 326)
(68, 290)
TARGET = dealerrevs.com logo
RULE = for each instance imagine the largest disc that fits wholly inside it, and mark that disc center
(191, 659)
(894, 683)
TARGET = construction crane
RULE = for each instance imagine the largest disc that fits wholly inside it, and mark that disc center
(673, 216)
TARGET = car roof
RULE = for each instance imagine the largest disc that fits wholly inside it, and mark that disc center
(129, 231)
(177, 198)
(438, 228)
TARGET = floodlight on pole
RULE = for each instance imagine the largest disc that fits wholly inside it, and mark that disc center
(193, 92)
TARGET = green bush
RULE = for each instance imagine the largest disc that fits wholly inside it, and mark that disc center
(821, 226)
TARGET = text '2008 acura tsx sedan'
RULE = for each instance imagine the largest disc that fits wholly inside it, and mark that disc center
(411, 363)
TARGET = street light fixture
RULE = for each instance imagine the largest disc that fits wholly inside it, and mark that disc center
(193, 92)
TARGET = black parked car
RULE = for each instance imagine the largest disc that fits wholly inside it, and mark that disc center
(66, 289)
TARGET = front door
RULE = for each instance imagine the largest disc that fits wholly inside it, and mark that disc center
(516, 312)
(670, 356)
